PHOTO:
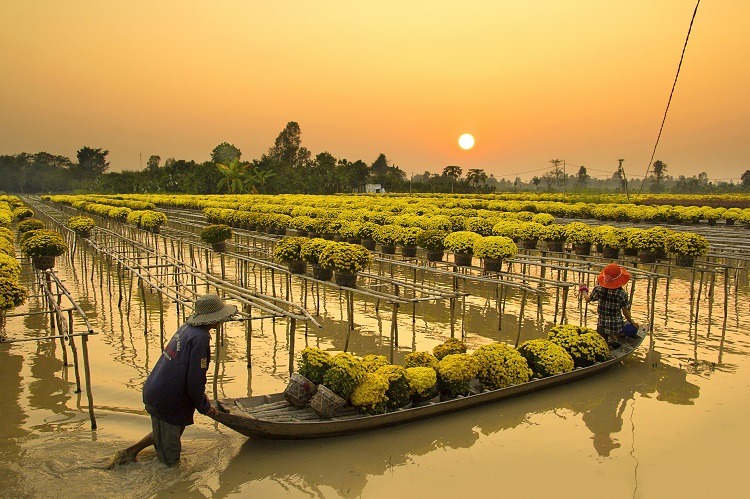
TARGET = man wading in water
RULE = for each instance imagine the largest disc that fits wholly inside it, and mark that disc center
(176, 387)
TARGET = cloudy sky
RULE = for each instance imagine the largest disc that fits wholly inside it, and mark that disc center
(586, 81)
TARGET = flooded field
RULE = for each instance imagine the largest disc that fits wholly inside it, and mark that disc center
(669, 421)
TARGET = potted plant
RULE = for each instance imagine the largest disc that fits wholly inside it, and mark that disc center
(449, 347)
(420, 359)
(9, 266)
(369, 397)
(11, 295)
(686, 246)
(546, 358)
(528, 234)
(153, 220)
(216, 235)
(461, 244)
(346, 260)
(500, 365)
(580, 236)
(422, 383)
(81, 225)
(23, 212)
(611, 239)
(506, 228)
(43, 247)
(388, 237)
(407, 239)
(28, 224)
(431, 241)
(585, 346)
(287, 250)
(339, 382)
(455, 373)
(314, 363)
(398, 393)
(554, 235)
(480, 225)
(493, 250)
(367, 230)
(6, 247)
(350, 231)
(649, 242)
(310, 252)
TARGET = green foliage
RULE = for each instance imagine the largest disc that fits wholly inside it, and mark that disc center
(546, 358)
(687, 243)
(81, 224)
(314, 363)
(11, 294)
(369, 397)
(420, 359)
(584, 345)
(449, 347)
(9, 266)
(345, 373)
(29, 224)
(215, 233)
(287, 249)
(455, 373)
(311, 249)
(6, 247)
(432, 240)
(500, 365)
(345, 257)
(399, 392)
(44, 243)
(461, 242)
(498, 247)
(422, 380)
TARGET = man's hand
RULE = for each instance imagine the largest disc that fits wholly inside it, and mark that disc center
(212, 412)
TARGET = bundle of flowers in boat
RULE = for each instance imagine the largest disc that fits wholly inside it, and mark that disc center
(584, 345)
(345, 373)
(421, 359)
(369, 397)
(314, 363)
(398, 393)
(546, 358)
(449, 347)
(455, 374)
(422, 383)
(372, 362)
(500, 366)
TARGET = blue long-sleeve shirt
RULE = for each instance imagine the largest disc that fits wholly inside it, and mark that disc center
(177, 385)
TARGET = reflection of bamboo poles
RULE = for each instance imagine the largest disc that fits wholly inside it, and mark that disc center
(726, 314)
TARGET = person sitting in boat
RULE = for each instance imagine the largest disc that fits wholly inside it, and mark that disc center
(613, 302)
(177, 384)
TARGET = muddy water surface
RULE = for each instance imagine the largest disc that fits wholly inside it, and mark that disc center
(671, 420)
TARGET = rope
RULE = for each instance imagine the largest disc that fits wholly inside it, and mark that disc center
(674, 84)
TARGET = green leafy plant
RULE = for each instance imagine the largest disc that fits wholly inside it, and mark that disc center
(498, 247)
(345, 373)
(584, 345)
(500, 365)
(449, 347)
(314, 363)
(11, 293)
(546, 358)
(215, 233)
(345, 257)
(399, 393)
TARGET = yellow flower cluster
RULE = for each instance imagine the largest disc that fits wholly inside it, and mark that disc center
(584, 345)
(546, 358)
(500, 365)
(455, 372)
(420, 359)
(422, 380)
(448, 347)
(369, 396)
(372, 362)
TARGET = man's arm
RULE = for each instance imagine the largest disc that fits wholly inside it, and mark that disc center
(196, 375)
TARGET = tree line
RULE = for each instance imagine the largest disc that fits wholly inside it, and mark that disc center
(289, 167)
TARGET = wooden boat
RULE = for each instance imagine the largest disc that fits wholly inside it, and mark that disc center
(272, 417)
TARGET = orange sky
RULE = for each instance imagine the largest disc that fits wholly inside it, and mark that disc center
(586, 81)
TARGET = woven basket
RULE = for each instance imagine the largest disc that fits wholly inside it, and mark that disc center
(326, 403)
(299, 391)
(463, 259)
(43, 262)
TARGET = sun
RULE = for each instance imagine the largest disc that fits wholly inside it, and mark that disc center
(466, 141)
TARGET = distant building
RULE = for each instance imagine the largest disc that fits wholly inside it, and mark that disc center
(371, 189)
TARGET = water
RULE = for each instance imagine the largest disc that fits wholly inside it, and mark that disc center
(669, 420)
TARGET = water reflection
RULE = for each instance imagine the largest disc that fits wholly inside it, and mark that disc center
(13, 419)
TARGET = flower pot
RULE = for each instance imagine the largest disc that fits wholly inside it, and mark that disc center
(299, 391)
(155, 230)
(685, 260)
(388, 249)
(219, 247)
(555, 245)
(353, 240)
(610, 252)
(312, 235)
(326, 403)
(435, 256)
(600, 248)
(492, 264)
(369, 244)
(296, 266)
(320, 273)
(647, 256)
(345, 279)
(711, 222)
(730, 222)
(582, 248)
(463, 259)
(529, 244)
(295, 232)
(83, 233)
(630, 251)
(409, 251)
(43, 262)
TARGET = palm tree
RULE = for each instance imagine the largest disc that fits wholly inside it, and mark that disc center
(255, 178)
(234, 176)
(475, 176)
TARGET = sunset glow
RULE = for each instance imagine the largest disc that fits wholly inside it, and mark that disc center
(466, 141)
(581, 80)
